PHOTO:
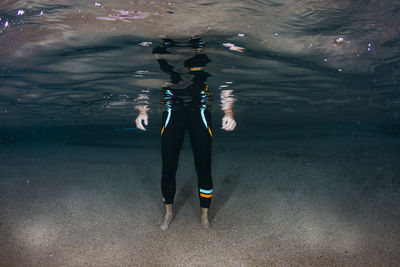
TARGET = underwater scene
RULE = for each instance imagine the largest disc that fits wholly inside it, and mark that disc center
(199, 133)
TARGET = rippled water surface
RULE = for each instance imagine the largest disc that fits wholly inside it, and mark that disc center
(85, 62)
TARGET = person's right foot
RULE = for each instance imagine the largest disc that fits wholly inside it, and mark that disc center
(167, 217)
(165, 222)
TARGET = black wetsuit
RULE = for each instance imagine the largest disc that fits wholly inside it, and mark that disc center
(187, 108)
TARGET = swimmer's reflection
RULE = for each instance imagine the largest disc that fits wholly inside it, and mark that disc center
(187, 102)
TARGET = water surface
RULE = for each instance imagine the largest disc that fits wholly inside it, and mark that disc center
(84, 63)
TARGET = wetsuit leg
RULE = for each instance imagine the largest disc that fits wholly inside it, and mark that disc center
(201, 140)
(171, 143)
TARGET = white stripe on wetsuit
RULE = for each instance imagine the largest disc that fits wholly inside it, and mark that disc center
(206, 191)
(168, 117)
(204, 118)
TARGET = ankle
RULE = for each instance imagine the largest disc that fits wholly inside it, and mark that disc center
(168, 209)
(204, 218)
(204, 212)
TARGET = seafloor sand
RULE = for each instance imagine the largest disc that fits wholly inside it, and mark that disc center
(320, 201)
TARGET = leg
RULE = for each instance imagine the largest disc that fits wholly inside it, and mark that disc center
(171, 143)
(201, 140)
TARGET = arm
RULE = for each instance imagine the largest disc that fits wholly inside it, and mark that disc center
(142, 105)
(227, 100)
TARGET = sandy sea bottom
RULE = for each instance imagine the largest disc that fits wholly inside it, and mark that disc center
(319, 201)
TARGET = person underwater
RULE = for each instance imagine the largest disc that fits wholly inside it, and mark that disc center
(187, 102)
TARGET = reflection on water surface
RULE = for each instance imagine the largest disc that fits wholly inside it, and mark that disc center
(84, 62)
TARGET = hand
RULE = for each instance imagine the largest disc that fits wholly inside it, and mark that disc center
(228, 123)
(139, 120)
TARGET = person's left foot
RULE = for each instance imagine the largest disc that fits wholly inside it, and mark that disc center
(204, 218)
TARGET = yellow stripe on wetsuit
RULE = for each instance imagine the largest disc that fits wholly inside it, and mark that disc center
(206, 193)
(196, 68)
(209, 130)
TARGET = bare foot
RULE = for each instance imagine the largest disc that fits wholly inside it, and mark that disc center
(204, 218)
(167, 217)
(165, 222)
